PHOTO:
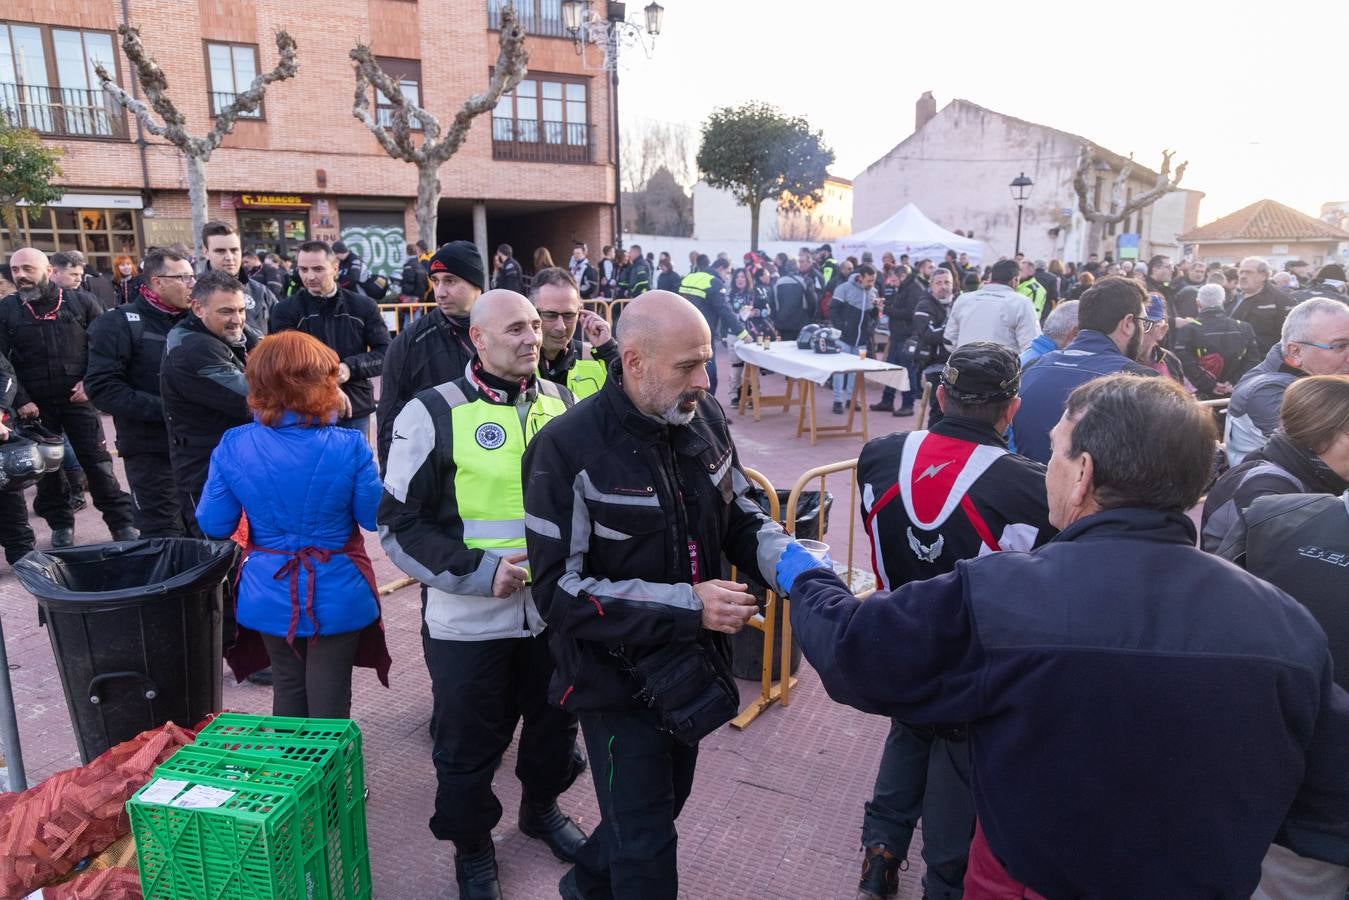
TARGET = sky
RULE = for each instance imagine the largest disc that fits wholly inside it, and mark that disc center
(1247, 93)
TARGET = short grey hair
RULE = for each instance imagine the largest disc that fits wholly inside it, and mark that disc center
(1284, 279)
(1211, 295)
(1062, 321)
(1297, 325)
(1260, 265)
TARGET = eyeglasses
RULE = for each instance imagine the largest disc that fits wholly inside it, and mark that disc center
(1144, 324)
(550, 316)
(1340, 347)
(185, 279)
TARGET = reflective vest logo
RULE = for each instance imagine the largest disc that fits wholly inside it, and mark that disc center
(490, 435)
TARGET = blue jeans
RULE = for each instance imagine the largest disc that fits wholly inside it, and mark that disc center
(68, 462)
(922, 775)
(843, 384)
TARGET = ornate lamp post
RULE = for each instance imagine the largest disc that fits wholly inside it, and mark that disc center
(1021, 187)
(610, 33)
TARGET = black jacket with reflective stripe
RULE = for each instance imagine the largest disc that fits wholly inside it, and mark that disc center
(126, 352)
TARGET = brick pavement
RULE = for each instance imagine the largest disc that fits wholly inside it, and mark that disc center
(775, 811)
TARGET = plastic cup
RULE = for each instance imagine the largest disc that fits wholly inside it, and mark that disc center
(817, 549)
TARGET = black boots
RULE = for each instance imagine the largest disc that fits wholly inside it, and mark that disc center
(475, 868)
(547, 823)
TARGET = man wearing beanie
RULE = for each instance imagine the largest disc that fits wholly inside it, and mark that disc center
(930, 498)
(435, 348)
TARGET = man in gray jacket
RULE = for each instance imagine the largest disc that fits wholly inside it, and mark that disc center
(995, 312)
(1315, 341)
(853, 311)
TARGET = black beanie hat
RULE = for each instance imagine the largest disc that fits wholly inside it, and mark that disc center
(460, 258)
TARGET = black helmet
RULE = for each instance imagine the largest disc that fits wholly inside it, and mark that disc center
(826, 340)
(806, 337)
(22, 463)
(50, 446)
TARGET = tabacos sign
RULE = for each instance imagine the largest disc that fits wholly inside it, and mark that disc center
(272, 201)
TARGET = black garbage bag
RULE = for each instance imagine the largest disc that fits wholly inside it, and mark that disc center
(747, 644)
(136, 629)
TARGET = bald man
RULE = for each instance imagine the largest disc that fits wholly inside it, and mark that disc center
(631, 500)
(44, 332)
(453, 517)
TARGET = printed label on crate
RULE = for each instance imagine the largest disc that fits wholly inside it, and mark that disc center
(162, 790)
(202, 797)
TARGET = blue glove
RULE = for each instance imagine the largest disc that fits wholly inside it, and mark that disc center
(794, 561)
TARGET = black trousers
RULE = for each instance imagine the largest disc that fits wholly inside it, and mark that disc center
(80, 423)
(154, 494)
(642, 778)
(480, 691)
(312, 679)
(16, 535)
(187, 510)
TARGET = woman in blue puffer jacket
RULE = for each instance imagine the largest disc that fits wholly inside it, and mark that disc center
(306, 488)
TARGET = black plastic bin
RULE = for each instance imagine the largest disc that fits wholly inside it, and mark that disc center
(135, 627)
(747, 643)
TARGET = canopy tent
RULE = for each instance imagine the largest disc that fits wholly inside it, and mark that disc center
(908, 231)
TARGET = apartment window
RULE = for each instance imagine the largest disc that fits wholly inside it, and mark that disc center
(47, 80)
(232, 68)
(407, 73)
(544, 119)
(540, 18)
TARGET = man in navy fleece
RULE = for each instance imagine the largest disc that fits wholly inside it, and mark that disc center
(1144, 719)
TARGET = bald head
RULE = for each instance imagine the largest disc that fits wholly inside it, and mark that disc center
(658, 316)
(31, 272)
(664, 344)
(505, 329)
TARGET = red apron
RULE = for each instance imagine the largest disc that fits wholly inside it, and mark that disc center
(248, 655)
(986, 879)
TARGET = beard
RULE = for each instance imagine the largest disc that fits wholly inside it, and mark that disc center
(34, 291)
(1135, 344)
(670, 412)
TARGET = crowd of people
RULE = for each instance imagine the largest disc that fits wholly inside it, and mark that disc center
(1088, 695)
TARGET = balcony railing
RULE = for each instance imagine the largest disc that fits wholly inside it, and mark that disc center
(220, 101)
(62, 111)
(524, 140)
(541, 18)
(384, 117)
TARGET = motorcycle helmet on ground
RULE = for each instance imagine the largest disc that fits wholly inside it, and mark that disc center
(826, 340)
(806, 337)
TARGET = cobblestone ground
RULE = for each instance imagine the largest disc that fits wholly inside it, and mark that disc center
(775, 811)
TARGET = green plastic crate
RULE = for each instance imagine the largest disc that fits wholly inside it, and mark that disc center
(335, 746)
(253, 846)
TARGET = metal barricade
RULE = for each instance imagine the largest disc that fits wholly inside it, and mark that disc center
(396, 308)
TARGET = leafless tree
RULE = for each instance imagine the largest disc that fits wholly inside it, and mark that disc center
(649, 145)
(1084, 181)
(429, 152)
(173, 125)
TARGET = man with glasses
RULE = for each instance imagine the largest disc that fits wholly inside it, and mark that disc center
(44, 332)
(1113, 320)
(1315, 341)
(1259, 302)
(126, 352)
(579, 366)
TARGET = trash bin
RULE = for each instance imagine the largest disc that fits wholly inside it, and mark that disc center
(135, 628)
(747, 643)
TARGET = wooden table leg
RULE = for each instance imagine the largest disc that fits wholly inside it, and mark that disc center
(747, 391)
(860, 395)
(801, 416)
(810, 400)
(756, 374)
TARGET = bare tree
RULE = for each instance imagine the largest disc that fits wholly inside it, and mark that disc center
(650, 145)
(399, 138)
(1119, 208)
(173, 128)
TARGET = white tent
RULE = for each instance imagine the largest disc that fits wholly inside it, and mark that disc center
(908, 231)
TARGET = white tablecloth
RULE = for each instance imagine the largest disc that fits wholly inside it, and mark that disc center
(785, 358)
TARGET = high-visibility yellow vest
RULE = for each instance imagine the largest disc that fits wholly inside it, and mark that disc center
(489, 442)
(587, 376)
(696, 284)
(1033, 289)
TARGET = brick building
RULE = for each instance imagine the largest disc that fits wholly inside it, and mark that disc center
(537, 172)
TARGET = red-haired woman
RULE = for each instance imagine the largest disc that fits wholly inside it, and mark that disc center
(307, 489)
(124, 272)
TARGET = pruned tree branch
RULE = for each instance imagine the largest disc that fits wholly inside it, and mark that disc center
(1120, 209)
(397, 139)
(286, 67)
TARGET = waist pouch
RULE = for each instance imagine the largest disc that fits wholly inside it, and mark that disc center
(691, 697)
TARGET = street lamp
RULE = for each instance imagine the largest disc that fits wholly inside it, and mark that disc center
(1021, 187)
(610, 33)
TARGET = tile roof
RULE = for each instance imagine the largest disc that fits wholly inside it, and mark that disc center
(1264, 220)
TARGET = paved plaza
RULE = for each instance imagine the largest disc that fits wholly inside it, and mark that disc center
(776, 809)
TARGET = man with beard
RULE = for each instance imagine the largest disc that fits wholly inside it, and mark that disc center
(436, 347)
(126, 353)
(631, 499)
(453, 517)
(348, 322)
(44, 332)
(220, 246)
(579, 366)
(1112, 317)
